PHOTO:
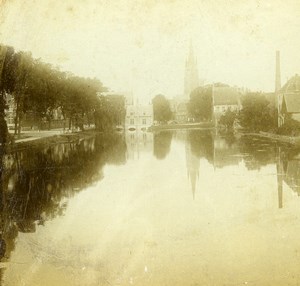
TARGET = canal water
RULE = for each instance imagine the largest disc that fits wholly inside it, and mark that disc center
(170, 208)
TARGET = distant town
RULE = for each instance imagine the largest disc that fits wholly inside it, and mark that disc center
(36, 96)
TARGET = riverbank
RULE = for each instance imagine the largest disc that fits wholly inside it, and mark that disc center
(275, 137)
(203, 125)
(29, 139)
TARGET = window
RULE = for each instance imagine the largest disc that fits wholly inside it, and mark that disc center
(144, 121)
(131, 121)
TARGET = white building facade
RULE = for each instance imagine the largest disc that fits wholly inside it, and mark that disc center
(139, 117)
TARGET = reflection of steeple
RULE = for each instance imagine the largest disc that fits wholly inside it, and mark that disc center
(192, 165)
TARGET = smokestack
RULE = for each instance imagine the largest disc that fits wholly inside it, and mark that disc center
(277, 76)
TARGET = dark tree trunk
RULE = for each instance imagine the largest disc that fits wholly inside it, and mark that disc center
(3, 124)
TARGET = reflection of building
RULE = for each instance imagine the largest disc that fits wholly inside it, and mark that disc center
(139, 117)
(288, 172)
(193, 166)
(226, 152)
(138, 142)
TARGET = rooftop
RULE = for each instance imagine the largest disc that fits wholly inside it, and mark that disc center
(292, 102)
(292, 85)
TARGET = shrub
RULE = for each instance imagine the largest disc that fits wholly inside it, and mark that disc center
(291, 127)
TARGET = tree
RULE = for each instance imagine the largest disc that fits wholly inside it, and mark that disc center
(117, 108)
(7, 83)
(23, 70)
(256, 113)
(227, 119)
(200, 104)
(161, 108)
(291, 127)
(38, 90)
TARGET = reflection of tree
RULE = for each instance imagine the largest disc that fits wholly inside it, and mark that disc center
(37, 181)
(162, 144)
(201, 144)
(258, 152)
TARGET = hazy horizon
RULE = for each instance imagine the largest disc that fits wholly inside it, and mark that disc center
(141, 47)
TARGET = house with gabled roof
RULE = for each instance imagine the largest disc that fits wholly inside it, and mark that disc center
(289, 100)
(225, 98)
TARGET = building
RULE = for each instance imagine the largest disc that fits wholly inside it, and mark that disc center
(289, 100)
(139, 117)
(225, 98)
(179, 110)
(178, 105)
(191, 77)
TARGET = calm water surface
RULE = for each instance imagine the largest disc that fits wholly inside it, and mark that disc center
(171, 208)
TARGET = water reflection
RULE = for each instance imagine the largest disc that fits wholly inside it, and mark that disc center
(201, 143)
(36, 182)
(162, 144)
(258, 152)
(193, 167)
(138, 142)
(288, 172)
(74, 222)
(226, 151)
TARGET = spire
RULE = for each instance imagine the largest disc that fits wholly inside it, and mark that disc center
(191, 80)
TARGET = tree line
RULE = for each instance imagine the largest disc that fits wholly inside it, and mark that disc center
(257, 113)
(39, 89)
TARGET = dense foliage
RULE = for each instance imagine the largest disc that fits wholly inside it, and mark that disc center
(39, 90)
(200, 104)
(161, 108)
(256, 113)
(291, 127)
(227, 119)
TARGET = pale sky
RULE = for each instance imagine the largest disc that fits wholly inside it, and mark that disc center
(141, 46)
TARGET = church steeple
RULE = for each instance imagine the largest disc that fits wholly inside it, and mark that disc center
(191, 80)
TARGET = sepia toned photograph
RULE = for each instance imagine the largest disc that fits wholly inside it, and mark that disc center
(149, 142)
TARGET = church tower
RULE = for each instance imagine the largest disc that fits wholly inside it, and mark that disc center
(191, 78)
